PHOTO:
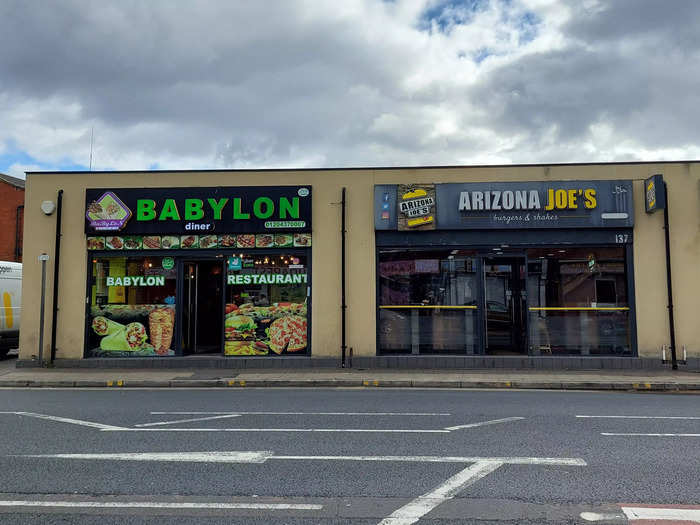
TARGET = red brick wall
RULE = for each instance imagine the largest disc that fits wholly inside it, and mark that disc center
(10, 198)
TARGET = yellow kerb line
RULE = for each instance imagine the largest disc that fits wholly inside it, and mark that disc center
(618, 308)
(430, 306)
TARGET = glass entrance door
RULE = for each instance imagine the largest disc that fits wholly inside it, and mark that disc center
(505, 308)
(202, 307)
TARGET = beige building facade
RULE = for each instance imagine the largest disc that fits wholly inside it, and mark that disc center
(537, 265)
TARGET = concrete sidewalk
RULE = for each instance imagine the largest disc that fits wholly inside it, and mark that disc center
(621, 380)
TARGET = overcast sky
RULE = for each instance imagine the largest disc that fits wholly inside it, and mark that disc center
(323, 83)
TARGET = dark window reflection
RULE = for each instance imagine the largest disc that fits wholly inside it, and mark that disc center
(577, 301)
(427, 301)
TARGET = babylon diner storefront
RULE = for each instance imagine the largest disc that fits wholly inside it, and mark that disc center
(510, 268)
(200, 270)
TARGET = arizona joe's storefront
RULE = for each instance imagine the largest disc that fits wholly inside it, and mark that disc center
(505, 268)
(205, 270)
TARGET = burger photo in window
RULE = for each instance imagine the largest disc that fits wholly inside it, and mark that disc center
(239, 327)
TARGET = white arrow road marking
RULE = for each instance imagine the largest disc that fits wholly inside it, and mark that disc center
(148, 427)
(648, 435)
(304, 413)
(225, 416)
(158, 505)
(58, 419)
(484, 423)
(262, 456)
(419, 507)
(641, 417)
(651, 513)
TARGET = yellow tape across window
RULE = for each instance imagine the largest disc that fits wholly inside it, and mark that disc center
(428, 306)
(614, 308)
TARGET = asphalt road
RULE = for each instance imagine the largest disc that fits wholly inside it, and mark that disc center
(343, 456)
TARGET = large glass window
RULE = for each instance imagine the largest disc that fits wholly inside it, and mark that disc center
(266, 305)
(427, 301)
(578, 301)
(132, 307)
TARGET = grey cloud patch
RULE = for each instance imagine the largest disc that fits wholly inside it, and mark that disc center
(616, 20)
(642, 89)
(570, 88)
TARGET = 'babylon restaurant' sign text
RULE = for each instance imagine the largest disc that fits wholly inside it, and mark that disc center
(243, 209)
(559, 204)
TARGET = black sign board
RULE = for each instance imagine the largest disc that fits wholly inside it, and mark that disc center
(654, 193)
(517, 205)
(241, 209)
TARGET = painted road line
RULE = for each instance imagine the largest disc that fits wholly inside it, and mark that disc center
(662, 514)
(484, 423)
(349, 430)
(79, 422)
(305, 413)
(647, 435)
(419, 507)
(191, 420)
(262, 456)
(158, 505)
(184, 457)
(572, 462)
(642, 417)
(603, 516)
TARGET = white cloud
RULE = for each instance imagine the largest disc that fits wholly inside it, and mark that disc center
(364, 82)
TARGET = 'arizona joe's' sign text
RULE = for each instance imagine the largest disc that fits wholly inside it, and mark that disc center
(249, 209)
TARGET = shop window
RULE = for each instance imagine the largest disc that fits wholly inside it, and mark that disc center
(427, 302)
(266, 305)
(578, 302)
(132, 307)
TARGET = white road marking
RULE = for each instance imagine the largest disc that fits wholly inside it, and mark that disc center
(641, 417)
(306, 413)
(374, 430)
(484, 423)
(262, 456)
(158, 505)
(572, 462)
(225, 416)
(648, 435)
(419, 507)
(68, 420)
(597, 516)
(651, 513)
(188, 457)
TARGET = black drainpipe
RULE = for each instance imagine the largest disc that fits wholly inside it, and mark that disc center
(56, 258)
(343, 306)
(18, 232)
(674, 360)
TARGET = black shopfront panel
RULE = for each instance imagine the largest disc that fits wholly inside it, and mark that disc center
(506, 292)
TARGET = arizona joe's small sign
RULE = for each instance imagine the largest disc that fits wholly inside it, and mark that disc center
(249, 209)
(416, 205)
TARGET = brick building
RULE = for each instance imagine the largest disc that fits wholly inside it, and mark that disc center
(11, 218)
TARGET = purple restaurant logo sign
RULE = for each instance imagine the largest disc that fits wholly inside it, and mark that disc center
(108, 213)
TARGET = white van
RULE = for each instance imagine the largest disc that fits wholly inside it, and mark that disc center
(10, 305)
